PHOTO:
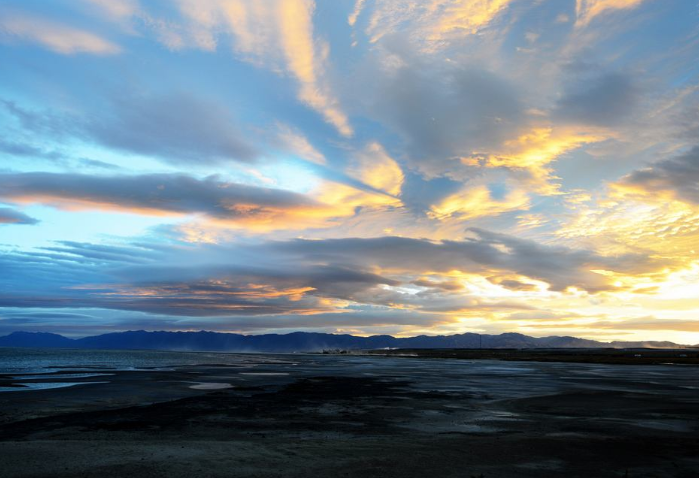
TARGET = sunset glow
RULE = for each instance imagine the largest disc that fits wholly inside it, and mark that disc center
(379, 167)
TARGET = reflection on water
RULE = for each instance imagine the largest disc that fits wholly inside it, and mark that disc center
(25, 387)
(485, 379)
(33, 361)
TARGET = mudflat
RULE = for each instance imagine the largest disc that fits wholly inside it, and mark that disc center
(687, 356)
(355, 416)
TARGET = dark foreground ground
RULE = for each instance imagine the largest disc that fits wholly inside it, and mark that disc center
(602, 356)
(344, 416)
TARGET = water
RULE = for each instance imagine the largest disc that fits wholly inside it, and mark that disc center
(36, 361)
(32, 369)
(491, 378)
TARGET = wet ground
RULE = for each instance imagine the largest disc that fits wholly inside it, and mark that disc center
(686, 356)
(305, 415)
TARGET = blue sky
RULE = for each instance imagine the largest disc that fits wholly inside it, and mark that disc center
(376, 166)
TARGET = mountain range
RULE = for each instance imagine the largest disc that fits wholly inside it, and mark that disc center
(302, 341)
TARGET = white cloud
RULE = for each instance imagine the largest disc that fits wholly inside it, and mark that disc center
(55, 36)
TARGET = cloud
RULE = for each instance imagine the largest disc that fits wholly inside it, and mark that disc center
(602, 101)
(432, 23)
(358, 7)
(478, 202)
(295, 142)
(12, 216)
(117, 9)
(676, 178)
(302, 277)
(15, 148)
(57, 37)
(560, 267)
(154, 194)
(445, 113)
(178, 128)
(178, 281)
(374, 167)
(272, 33)
(103, 321)
(587, 10)
(215, 202)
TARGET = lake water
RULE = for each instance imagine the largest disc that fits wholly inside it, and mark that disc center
(32, 369)
(31, 361)
(36, 368)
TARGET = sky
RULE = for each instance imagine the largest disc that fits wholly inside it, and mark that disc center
(397, 167)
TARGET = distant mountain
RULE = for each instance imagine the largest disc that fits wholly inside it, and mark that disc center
(35, 339)
(302, 341)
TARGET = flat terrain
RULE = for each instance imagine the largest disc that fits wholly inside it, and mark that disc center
(606, 356)
(356, 416)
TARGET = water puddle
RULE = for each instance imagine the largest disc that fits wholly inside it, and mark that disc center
(41, 376)
(211, 386)
(26, 387)
(264, 373)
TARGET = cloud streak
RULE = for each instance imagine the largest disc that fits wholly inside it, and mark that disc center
(676, 177)
(12, 216)
(154, 194)
(54, 36)
(269, 33)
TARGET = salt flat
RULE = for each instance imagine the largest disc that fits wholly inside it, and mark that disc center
(301, 415)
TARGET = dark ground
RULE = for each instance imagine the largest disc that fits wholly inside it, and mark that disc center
(606, 356)
(360, 417)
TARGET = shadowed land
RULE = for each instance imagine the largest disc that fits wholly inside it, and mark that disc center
(600, 356)
(358, 416)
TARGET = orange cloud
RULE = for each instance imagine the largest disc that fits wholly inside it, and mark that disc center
(478, 202)
(587, 10)
(433, 22)
(373, 166)
(534, 151)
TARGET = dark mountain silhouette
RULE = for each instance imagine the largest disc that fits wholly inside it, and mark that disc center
(35, 339)
(302, 341)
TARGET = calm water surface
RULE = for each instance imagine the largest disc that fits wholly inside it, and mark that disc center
(36, 367)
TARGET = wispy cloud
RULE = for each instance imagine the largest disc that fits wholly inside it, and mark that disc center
(433, 22)
(154, 194)
(58, 37)
(587, 10)
(276, 34)
(12, 216)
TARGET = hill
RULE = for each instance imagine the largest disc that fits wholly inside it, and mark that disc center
(303, 341)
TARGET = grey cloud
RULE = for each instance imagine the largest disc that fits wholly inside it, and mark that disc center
(103, 321)
(604, 100)
(558, 266)
(679, 175)
(447, 112)
(93, 163)
(296, 277)
(176, 128)
(12, 216)
(444, 285)
(179, 128)
(46, 123)
(19, 149)
(173, 193)
(141, 279)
